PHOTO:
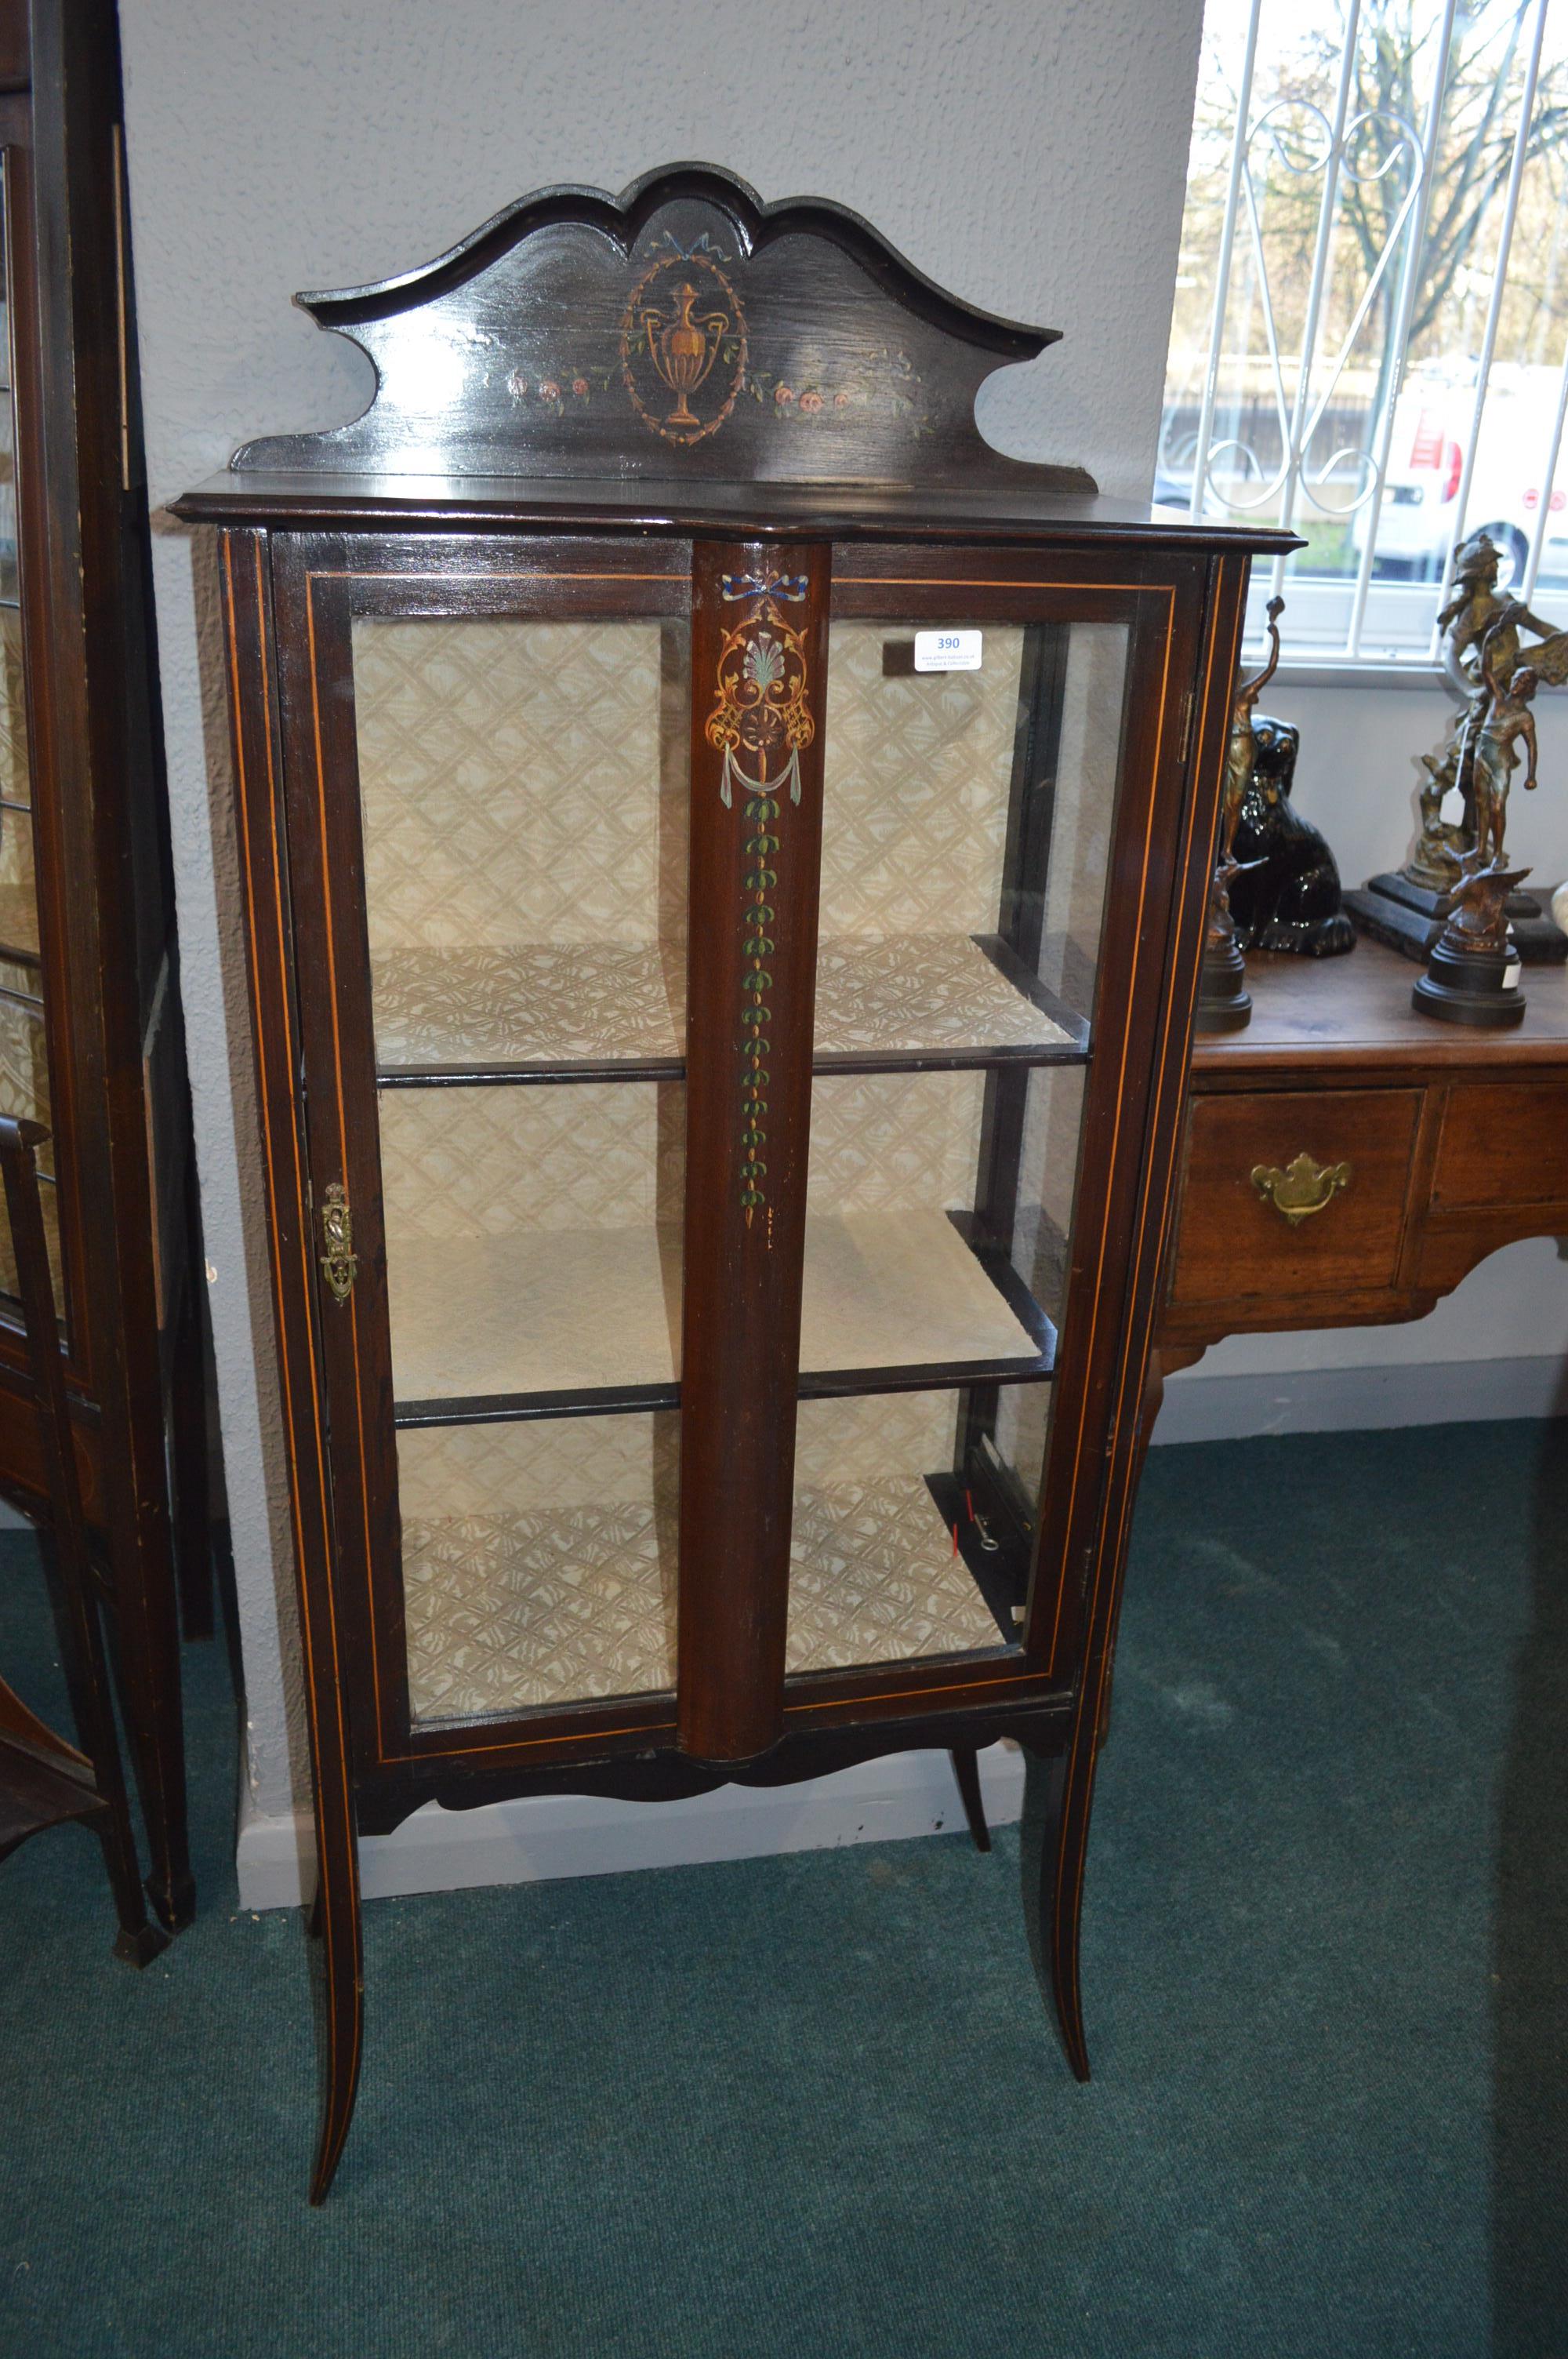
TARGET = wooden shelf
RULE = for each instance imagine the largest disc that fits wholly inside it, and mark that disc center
(601, 1012)
(554, 1320)
(509, 1614)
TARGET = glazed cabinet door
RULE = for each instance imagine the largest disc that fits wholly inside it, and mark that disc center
(1010, 847)
(485, 749)
(742, 999)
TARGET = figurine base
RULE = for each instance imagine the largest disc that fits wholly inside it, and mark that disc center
(1471, 987)
(1408, 919)
(1224, 1004)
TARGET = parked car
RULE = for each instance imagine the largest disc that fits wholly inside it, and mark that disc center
(1426, 465)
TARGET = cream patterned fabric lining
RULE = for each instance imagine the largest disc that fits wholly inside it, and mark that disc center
(19, 886)
(921, 991)
(507, 1614)
(552, 1004)
(559, 1155)
(24, 1066)
(917, 769)
(533, 1233)
(524, 797)
(1090, 760)
(537, 1311)
(894, 1142)
(546, 1004)
(16, 772)
(555, 1309)
(539, 1559)
(873, 1579)
(525, 790)
(522, 782)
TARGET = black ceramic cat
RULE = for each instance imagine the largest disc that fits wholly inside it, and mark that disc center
(1285, 895)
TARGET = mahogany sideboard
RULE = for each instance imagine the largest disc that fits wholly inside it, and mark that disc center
(1424, 1148)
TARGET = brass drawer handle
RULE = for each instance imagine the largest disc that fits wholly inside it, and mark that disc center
(1302, 1189)
(339, 1263)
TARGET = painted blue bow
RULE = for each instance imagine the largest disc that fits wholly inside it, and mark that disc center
(791, 586)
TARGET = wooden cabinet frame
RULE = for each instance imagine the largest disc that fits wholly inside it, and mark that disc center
(118, 1107)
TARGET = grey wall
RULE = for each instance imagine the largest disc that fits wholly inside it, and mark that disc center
(1030, 156)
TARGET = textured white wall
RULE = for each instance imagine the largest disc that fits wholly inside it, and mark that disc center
(1031, 157)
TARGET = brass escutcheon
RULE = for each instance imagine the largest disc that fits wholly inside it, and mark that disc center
(339, 1262)
(1302, 1189)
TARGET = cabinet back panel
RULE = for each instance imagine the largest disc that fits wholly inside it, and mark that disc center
(538, 1562)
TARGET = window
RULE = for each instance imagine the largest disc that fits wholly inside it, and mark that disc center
(1370, 333)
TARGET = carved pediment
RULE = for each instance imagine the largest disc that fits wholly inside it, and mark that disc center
(684, 329)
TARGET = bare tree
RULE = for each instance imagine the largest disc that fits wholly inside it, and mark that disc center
(1395, 67)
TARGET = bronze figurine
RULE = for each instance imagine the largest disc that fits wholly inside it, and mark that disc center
(1466, 624)
(1501, 720)
(1407, 907)
(1472, 976)
(1224, 1004)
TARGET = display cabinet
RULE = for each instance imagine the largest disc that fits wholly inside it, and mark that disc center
(726, 856)
(90, 1040)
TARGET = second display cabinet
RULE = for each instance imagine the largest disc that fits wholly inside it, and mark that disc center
(726, 856)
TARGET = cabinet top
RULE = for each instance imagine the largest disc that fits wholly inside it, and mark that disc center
(683, 357)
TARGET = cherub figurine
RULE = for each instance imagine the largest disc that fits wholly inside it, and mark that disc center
(1468, 621)
(1500, 720)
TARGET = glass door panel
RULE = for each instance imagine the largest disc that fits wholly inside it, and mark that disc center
(966, 825)
(917, 951)
(24, 1058)
(538, 1562)
(533, 1237)
(523, 809)
(910, 1534)
(525, 803)
(895, 1276)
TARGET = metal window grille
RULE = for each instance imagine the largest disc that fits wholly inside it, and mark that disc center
(1335, 442)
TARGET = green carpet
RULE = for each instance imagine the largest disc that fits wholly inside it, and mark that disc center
(812, 2105)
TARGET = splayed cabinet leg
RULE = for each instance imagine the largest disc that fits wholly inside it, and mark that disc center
(966, 1770)
(1052, 1885)
(337, 1914)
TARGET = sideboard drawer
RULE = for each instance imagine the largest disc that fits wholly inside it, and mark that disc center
(1503, 1143)
(1294, 1193)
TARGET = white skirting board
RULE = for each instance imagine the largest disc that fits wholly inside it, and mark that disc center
(552, 1835)
(1338, 1400)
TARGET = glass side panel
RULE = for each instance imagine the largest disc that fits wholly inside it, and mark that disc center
(538, 1562)
(967, 828)
(1066, 878)
(523, 804)
(24, 1061)
(524, 789)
